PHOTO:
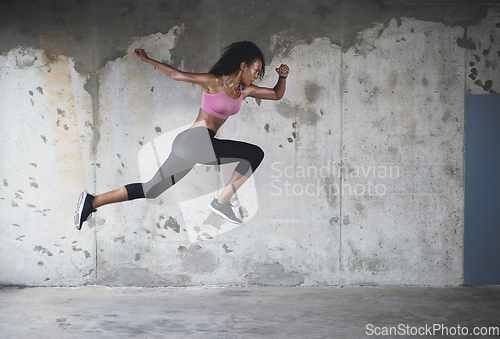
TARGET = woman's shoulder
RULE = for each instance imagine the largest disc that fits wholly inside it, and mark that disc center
(214, 83)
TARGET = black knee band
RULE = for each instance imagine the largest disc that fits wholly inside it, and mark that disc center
(135, 191)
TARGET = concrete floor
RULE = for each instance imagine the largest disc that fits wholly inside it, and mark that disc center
(243, 312)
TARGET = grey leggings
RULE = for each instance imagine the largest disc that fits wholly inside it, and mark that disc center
(192, 146)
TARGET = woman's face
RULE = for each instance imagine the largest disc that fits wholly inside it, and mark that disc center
(251, 72)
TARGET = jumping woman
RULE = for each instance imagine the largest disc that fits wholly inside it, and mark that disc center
(224, 88)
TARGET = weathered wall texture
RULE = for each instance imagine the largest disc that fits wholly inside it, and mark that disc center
(363, 179)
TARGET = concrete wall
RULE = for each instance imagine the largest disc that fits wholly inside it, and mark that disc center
(363, 179)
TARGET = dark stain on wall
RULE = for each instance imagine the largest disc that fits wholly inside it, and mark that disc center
(312, 91)
(100, 31)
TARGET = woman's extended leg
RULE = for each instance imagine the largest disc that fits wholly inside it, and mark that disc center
(117, 195)
(172, 170)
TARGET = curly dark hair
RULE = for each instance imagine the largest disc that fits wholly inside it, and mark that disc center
(234, 55)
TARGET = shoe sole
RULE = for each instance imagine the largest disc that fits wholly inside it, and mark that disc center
(216, 211)
(79, 210)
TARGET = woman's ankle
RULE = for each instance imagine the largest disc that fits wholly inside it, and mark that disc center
(221, 200)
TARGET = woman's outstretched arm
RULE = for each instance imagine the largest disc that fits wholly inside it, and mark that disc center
(204, 79)
(275, 93)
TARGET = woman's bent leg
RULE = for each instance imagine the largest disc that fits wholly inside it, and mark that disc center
(249, 157)
(236, 181)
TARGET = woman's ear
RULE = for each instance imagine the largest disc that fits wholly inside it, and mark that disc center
(243, 65)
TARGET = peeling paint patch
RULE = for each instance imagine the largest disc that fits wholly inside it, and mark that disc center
(487, 85)
(473, 73)
(43, 211)
(173, 224)
(26, 57)
(331, 196)
(214, 220)
(120, 239)
(359, 207)
(450, 170)
(243, 212)
(346, 220)
(43, 250)
(227, 249)
(87, 254)
(204, 236)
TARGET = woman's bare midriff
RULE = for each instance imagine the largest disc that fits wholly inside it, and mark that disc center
(209, 121)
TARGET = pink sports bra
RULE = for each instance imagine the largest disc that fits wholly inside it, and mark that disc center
(220, 105)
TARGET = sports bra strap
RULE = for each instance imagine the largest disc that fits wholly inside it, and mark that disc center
(224, 83)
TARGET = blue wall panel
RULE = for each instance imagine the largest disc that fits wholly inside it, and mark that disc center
(482, 190)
